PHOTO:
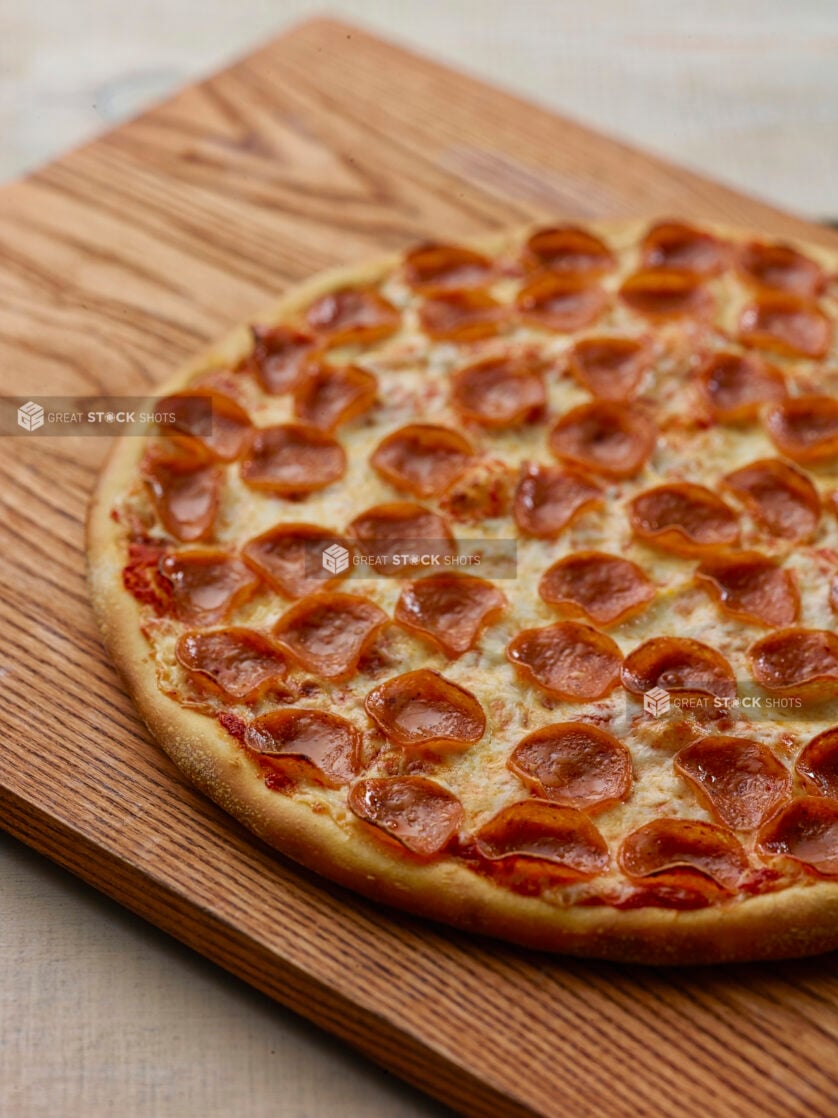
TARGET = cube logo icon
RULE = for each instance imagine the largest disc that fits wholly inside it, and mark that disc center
(656, 702)
(335, 559)
(30, 417)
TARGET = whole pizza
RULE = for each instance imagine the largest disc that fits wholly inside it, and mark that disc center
(499, 583)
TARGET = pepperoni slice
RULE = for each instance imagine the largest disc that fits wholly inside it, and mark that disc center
(661, 294)
(574, 764)
(327, 396)
(462, 316)
(805, 428)
(737, 385)
(207, 584)
(787, 325)
(218, 424)
(604, 437)
(683, 518)
(678, 664)
(238, 664)
(534, 834)
(683, 851)
(417, 814)
(296, 744)
(682, 248)
(353, 315)
(610, 368)
(799, 660)
(549, 498)
(432, 268)
(817, 765)
(568, 250)
(450, 610)
(423, 458)
(288, 558)
(739, 780)
(327, 633)
(424, 710)
(807, 831)
(186, 499)
(498, 391)
(483, 492)
(563, 303)
(390, 534)
(782, 498)
(751, 587)
(781, 268)
(292, 459)
(568, 659)
(280, 357)
(602, 588)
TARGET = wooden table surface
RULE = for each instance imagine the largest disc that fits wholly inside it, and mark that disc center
(721, 1040)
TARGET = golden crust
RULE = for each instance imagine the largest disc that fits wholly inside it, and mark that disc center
(799, 920)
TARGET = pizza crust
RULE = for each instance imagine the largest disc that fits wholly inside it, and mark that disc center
(796, 921)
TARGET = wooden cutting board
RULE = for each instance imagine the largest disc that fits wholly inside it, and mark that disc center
(117, 262)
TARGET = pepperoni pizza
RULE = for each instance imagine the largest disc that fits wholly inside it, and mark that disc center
(500, 583)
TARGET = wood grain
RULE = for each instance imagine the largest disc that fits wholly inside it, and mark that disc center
(115, 263)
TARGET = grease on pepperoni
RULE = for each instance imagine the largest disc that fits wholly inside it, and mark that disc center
(741, 781)
(787, 325)
(563, 303)
(280, 357)
(328, 396)
(549, 498)
(779, 496)
(462, 316)
(292, 459)
(239, 664)
(605, 438)
(683, 518)
(499, 391)
(352, 315)
(780, 267)
(797, 660)
(805, 428)
(661, 294)
(328, 633)
(574, 764)
(672, 245)
(683, 852)
(296, 744)
(424, 459)
(288, 558)
(603, 588)
(569, 660)
(433, 267)
(218, 424)
(751, 587)
(423, 710)
(678, 664)
(737, 385)
(807, 832)
(611, 368)
(400, 527)
(570, 251)
(207, 583)
(817, 765)
(186, 499)
(537, 833)
(414, 812)
(450, 610)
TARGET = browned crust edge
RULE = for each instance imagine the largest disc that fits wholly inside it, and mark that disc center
(797, 921)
